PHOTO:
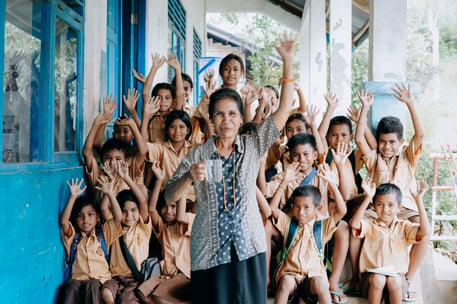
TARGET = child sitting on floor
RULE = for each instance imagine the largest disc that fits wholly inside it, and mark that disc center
(86, 244)
(384, 256)
(297, 275)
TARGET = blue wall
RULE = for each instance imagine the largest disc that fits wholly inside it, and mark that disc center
(31, 253)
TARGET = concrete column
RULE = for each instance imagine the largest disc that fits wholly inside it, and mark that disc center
(340, 29)
(387, 54)
(313, 59)
(156, 35)
(387, 58)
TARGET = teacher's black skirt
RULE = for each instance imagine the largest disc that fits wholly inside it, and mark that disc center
(238, 282)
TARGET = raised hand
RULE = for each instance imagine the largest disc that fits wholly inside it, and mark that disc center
(208, 77)
(151, 106)
(109, 106)
(366, 98)
(105, 184)
(157, 61)
(110, 168)
(403, 93)
(172, 61)
(341, 154)
(291, 172)
(311, 114)
(75, 187)
(332, 100)
(210, 88)
(138, 76)
(122, 169)
(157, 171)
(286, 46)
(369, 187)
(130, 101)
(354, 113)
(422, 187)
(328, 175)
(253, 94)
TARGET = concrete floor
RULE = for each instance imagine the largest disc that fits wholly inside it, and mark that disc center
(435, 282)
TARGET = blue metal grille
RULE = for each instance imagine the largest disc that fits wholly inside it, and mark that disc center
(177, 17)
(197, 46)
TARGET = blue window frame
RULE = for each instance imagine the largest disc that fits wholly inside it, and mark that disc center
(41, 51)
(176, 33)
(197, 50)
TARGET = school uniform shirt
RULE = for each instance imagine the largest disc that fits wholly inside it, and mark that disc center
(90, 261)
(317, 181)
(156, 128)
(215, 230)
(398, 170)
(136, 170)
(136, 238)
(386, 246)
(96, 172)
(169, 159)
(175, 241)
(303, 258)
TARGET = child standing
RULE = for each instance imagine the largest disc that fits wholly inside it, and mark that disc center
(136, 231)
(86, 244)
(299, 276)
(386, 240)
(172, 225)
(392, 163)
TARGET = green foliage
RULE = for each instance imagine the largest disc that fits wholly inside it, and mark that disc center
(260, 33)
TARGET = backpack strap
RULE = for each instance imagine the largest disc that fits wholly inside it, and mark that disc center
(71, 257)
(74, 245)
(291, 232)
(129, 259)
(304, 182)
(101, 240)
(317, 237)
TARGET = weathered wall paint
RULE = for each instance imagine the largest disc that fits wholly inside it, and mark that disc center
(31, 252)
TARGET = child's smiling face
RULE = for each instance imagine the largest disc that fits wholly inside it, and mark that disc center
(305, 155)
(130, 214)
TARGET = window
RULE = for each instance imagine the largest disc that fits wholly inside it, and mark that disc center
(197, 49)
(41, 63)
(176, 33)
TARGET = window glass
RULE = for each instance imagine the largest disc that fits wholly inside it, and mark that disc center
(65, 86)
(21, 81)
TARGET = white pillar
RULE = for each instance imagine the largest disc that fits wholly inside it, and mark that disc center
(156, 35)
(340, 29)
(387, 40)
(313, 58)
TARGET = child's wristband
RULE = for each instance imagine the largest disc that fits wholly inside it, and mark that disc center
(287, 79)
(282, 186)
(366, 109)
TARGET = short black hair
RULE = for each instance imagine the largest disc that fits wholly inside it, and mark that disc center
(116, 144)
(340, 120)
(226, 59)
(388, 188)
(221, 94)
(389, 124)
(298, 116)
(307, 191)
(181, 115)
(301, 139)
(126, 195)
(185, 77)
(249, 127)
(275, 89)
(164, 86)
(80, 203)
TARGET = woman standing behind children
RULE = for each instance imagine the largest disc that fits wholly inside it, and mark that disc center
(86, 244)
